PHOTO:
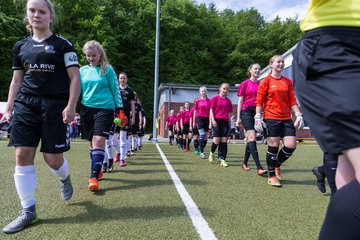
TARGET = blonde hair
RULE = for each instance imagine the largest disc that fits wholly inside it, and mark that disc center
(50, 6)
(223, 84)
(272, 60)
(103, 58)
(203, 88)
(249, 69)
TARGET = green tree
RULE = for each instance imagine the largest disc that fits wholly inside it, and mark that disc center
(11, 30)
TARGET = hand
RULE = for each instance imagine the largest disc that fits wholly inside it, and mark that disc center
(238, 122)
(68, 114)
(6, 118)
(299, 121)
(259, 123)
(214, 123)
(117, 111)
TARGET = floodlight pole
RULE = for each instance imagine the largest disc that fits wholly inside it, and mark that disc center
(156, 79)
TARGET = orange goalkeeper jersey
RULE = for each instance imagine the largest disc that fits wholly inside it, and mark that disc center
(276, 95)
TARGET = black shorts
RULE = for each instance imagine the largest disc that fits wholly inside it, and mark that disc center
(38, 117)
(202, 123)
(279, 128)
(186, 128)
(247, 118)
(135, 129)
(222, 129)
(171, 128)
(95, 122)
(326, 69)
(141, 133)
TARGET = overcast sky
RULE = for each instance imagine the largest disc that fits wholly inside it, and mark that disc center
(269, 9)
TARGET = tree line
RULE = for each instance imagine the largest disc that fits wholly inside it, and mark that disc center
(198, 43)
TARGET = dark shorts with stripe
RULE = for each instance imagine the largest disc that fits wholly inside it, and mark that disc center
(222, 129)
(326, 70)
(247, 118)
(279, 128)
(95, 122)
(38, 117)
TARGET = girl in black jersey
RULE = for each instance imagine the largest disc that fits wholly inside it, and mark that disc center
(42, 97)
(143, 126)
(128, 98)
(135, 129)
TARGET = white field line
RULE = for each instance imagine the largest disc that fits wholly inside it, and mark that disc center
(201, 226)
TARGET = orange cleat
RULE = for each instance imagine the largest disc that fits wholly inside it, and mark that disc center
(278, 173)
(93, 184)
(274, 181)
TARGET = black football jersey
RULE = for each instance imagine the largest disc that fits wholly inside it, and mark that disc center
(137, 111)
(127, 95)
(45, 64)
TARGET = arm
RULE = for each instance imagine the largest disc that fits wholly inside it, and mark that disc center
(239, 106)
(15, 85)
(212, 119)
(69, 111)
(191, 121)
(114, 88)
(295, 109)
(259, 109)
(140, 120)
(132, 104)
(194, 117)
(144, 122)
(181, 123)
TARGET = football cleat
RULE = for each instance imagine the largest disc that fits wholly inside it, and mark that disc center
(93, 184)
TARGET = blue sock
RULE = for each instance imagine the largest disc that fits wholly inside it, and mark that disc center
(97, 159)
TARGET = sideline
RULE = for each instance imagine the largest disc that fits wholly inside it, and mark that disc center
(201, 226)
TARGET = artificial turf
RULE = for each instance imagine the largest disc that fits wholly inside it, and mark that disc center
(141, 202)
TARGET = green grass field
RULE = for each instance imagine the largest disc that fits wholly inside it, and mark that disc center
(140, 201)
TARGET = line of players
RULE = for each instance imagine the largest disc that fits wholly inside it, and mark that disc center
(194, 124)
(125, 140)
(264, 106)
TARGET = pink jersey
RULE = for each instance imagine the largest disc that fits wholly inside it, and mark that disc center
(177, 118)
(170, 120)
(221, 107)
(202, 107)
(186, 116)
(248, 90)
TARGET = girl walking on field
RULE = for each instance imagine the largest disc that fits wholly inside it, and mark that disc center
(100, 98)
(201, 113)
(246, 111)
(220, 110)
(43, 94)
(274, 100)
